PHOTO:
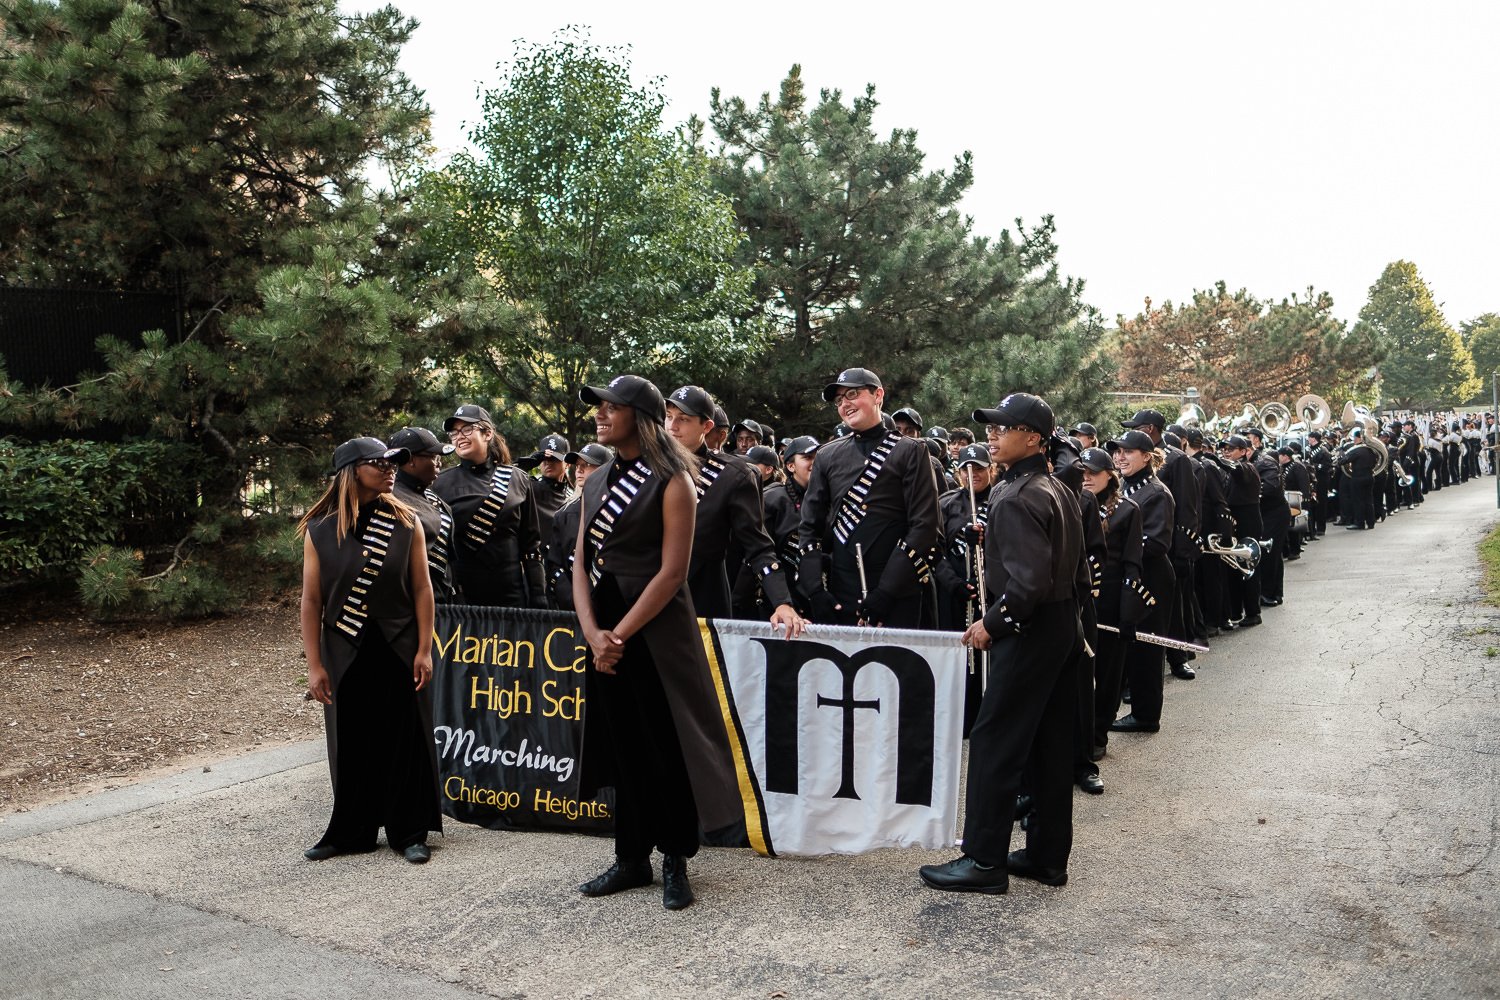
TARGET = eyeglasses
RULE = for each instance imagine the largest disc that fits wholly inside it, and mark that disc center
(461, 431)
(997, 431)
(850, 395)
(381, 464)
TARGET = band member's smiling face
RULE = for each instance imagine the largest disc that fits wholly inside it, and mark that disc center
(860, 407)
(613, 423)
(1129, 461)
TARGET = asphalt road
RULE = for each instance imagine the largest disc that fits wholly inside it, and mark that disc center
(1317, 818)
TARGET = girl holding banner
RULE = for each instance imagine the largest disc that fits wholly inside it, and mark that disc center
(653, 726)
(367, 633)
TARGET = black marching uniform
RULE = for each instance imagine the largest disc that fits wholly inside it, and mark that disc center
(561, 553)
(1212, 574)
(1321, 461)
(1276, 518)
(437, 525)
(876, 490)
(1037, 576)
(956, 575)
(1297, 478)
(380, 751)
(1123, 601)
(497, 550)
(729, 511)
(550, 496)
(783, 520)
(1244, 504)
(1143, 661)
(1184, 479)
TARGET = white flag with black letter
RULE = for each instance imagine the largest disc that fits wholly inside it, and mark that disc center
(846, 740)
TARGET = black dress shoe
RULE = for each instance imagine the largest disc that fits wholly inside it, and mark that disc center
(1212, 632)
(618, 877)
(1227, 626)
(322, 852)
(1249, 621)
(676, 890)
(966, 875)
(1270, 602)
(1183, 672)
(417, 854)
(1097, 753)
(1130, 724)
(1020, 865)
(1091, 783)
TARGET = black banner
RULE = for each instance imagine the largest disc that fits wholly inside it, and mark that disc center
(507, 704)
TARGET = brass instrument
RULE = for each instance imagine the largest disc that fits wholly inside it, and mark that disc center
(1192, 415)
(1242, 554)
(1274, 419)
(1314, 411)
(1248, 418)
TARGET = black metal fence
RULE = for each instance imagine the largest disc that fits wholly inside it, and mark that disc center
(47, 335)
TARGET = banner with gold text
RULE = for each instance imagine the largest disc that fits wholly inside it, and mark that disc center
(507, 713)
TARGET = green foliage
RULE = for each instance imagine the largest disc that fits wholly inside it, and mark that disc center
(1236, 349)
(1481, 336)
(219, 150)
(863, 257)
(60, 501)
(600, 226)
(110, 580)
(1426, 365)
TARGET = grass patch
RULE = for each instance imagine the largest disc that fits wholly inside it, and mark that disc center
(1489, 557)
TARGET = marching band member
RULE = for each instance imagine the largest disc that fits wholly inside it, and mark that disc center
(1035, 576)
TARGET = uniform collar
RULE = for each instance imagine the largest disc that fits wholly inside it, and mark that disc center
(475, 467)
(1139, 477)
(1025, 467)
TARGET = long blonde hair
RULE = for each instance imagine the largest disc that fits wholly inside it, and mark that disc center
(342, 496)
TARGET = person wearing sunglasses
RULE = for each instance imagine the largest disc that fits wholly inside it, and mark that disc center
(414, 481)
(367, 634)
(498, 550)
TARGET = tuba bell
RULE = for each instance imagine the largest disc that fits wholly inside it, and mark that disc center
(1314, 411)
(1275, 418)
(1247, 419)
(1192, 415)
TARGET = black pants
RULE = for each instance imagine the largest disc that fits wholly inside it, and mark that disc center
(384, 771)
(1083, 704)
(1359, 502)
(1186, 620)
(1209, 581)
(1272, 567)
(1024, 733)
(1143, 660)
(654, 804)
(1109, 673)
(1247, 524)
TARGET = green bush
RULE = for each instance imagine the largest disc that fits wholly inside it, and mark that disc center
(60, 500)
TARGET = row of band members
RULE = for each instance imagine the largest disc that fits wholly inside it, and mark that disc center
(861, 532)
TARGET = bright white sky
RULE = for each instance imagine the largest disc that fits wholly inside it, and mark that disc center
(1272, 145)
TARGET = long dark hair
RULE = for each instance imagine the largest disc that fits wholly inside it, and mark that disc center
(662, 453)
(499, 448)
(342, 497)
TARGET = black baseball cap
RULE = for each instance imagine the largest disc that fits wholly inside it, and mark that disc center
(974, 454)
(748, 425)
(721, 419)
(361, 449)
(804, 445)
(1132, 441)
(941, 433)
(910, 415)
(419, 441)
(628, 390)
(593, 453)
(1096, 460)
(469, 413)
(761, 455)
(1084, 427)
(851, 378)
(1020, 408)
(550, 446)
(842, 431)
(1143, 418)
(1236, 441)
(694, 401)
(1194, 437)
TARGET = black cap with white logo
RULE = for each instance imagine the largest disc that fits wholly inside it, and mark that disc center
(851, 378)
(469, 413)
(420, 441)
(627, 390)
(694, 401)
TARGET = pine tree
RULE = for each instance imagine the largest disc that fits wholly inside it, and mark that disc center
(863, 257)
(1426, 364)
